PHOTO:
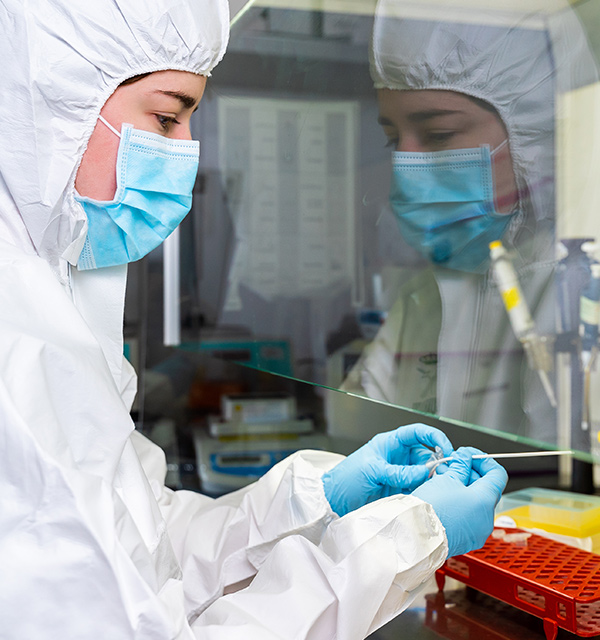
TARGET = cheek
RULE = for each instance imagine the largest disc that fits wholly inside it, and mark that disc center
(96, 177)
(505, 184)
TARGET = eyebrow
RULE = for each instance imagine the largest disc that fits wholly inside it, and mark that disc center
(186, 100)
(419, 116)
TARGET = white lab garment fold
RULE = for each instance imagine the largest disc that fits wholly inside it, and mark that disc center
(238, 531)
(92, 544)
(370, 564)
(91, 541)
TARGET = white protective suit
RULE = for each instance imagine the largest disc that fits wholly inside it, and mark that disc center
(92, 544)
(447, 346)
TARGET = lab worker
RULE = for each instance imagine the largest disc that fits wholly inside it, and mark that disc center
(469, 112)
(97, 168)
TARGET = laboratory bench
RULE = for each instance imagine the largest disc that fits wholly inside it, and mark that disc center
(464, 614)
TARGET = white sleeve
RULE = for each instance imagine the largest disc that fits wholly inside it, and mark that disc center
(87, 535)
(368, 568)
(222, 542)
(316, 575)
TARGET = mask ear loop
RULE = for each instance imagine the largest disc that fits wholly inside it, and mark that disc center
(493, 152)
(106, 123)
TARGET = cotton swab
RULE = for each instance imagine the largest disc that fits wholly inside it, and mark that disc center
(520, 454)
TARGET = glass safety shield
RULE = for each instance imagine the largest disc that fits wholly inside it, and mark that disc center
(399, 200)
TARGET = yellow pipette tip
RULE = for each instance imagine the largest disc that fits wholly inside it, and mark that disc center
(495, 244)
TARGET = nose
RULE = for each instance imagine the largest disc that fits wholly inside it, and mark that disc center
(186, 133)
(182, 131)
(409, 143)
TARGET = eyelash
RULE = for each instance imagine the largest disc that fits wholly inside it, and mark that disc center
(165, 121)
(440, 136)
(431, 138)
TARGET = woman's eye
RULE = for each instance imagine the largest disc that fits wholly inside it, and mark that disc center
(439, 137)
(165, 121)
(392, 143)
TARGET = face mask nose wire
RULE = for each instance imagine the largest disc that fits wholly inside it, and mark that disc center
(106, 123)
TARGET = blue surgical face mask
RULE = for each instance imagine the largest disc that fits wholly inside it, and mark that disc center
(444, 204)
(155, 178)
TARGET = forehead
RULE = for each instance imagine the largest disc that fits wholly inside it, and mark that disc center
(399, 104)
(169, 83)
(173, 80)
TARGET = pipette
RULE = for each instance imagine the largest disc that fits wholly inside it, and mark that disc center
(520, 318)
(589, 318)
(520, 454)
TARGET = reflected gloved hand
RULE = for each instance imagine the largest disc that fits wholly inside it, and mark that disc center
(464, 502)
(390, 463)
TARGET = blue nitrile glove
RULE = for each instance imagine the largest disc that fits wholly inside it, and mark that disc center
(442, 468)
(464, 503)
(390, 463)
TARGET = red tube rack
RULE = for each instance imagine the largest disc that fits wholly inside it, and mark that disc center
(551, 580)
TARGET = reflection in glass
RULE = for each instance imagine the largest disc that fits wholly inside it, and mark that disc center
(362, 166)
(468, 109)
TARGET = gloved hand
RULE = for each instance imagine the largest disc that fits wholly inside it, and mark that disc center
(390, 463)
(464, 502)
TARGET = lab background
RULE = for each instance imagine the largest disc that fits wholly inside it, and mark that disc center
(245, 326)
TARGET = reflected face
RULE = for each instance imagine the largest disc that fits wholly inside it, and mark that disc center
(434, 120)
(161, 103)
